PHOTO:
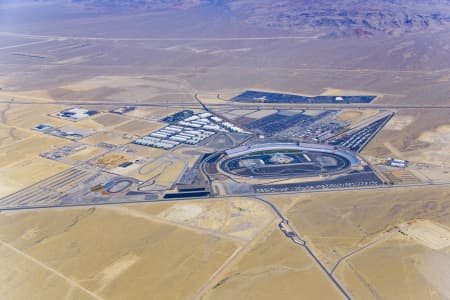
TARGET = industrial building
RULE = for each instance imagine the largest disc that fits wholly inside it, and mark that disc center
(191, 130)
(76, 113)
(397, 163)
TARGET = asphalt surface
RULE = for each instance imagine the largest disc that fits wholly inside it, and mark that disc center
(293, 235)
(234, 105)
(296, 238)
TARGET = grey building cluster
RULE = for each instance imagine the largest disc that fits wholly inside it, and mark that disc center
(397, 163)
(191, 130)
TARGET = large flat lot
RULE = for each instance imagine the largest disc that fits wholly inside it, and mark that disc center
(368, 222)
(387, 243)
(53, 254)
(274, 268)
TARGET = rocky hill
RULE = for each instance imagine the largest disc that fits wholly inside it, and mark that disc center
(326, 18)
(350, 17)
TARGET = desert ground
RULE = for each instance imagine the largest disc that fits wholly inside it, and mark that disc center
(387, 242)
(211, 233)
(368, 225)
(54, 250)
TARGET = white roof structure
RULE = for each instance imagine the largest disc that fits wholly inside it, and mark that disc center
(205, 115)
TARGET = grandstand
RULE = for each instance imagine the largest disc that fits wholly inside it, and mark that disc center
(287, 160)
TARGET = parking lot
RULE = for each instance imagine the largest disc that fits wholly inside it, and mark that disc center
(266, 97)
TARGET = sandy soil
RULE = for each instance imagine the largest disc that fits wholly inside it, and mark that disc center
(399, 122)
(238, 217)
(152, 114)
(24, 173)
(348, 115)
(439, 141)
(113, 160)
(413, 140)
(171, 174)
(108, 137)
(335, 224)
(10, 135)
(273, 268)
(28, 116)
(390, 270)
(63, 252)
(429, 234)
(120, 88)
(138, 127)
(109, 120)
(117, 254)
(86, 154)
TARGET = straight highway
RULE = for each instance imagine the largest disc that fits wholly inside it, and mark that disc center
(228, 105)
(290, 233)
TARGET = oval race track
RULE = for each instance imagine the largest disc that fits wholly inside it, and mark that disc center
(289, 160)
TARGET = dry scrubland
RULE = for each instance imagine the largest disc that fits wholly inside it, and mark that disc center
(393, 259)
(20, 164)
(274, 268)
(89, 253)
(242, 218)
(394, 265)
(420, 136)
(70, 255)
(173, 250)
(94, 250)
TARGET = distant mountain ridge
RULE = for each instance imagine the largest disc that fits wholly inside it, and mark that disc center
(351, 17)
(321, 17)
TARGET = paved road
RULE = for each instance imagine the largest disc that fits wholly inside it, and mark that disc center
(353, 252)
(269, 106)
(200, 102)
(219, 198)
(296, 238)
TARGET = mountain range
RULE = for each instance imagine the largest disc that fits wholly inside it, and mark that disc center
(324, 18)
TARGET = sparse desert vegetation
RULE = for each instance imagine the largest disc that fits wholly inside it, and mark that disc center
(116, 117)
